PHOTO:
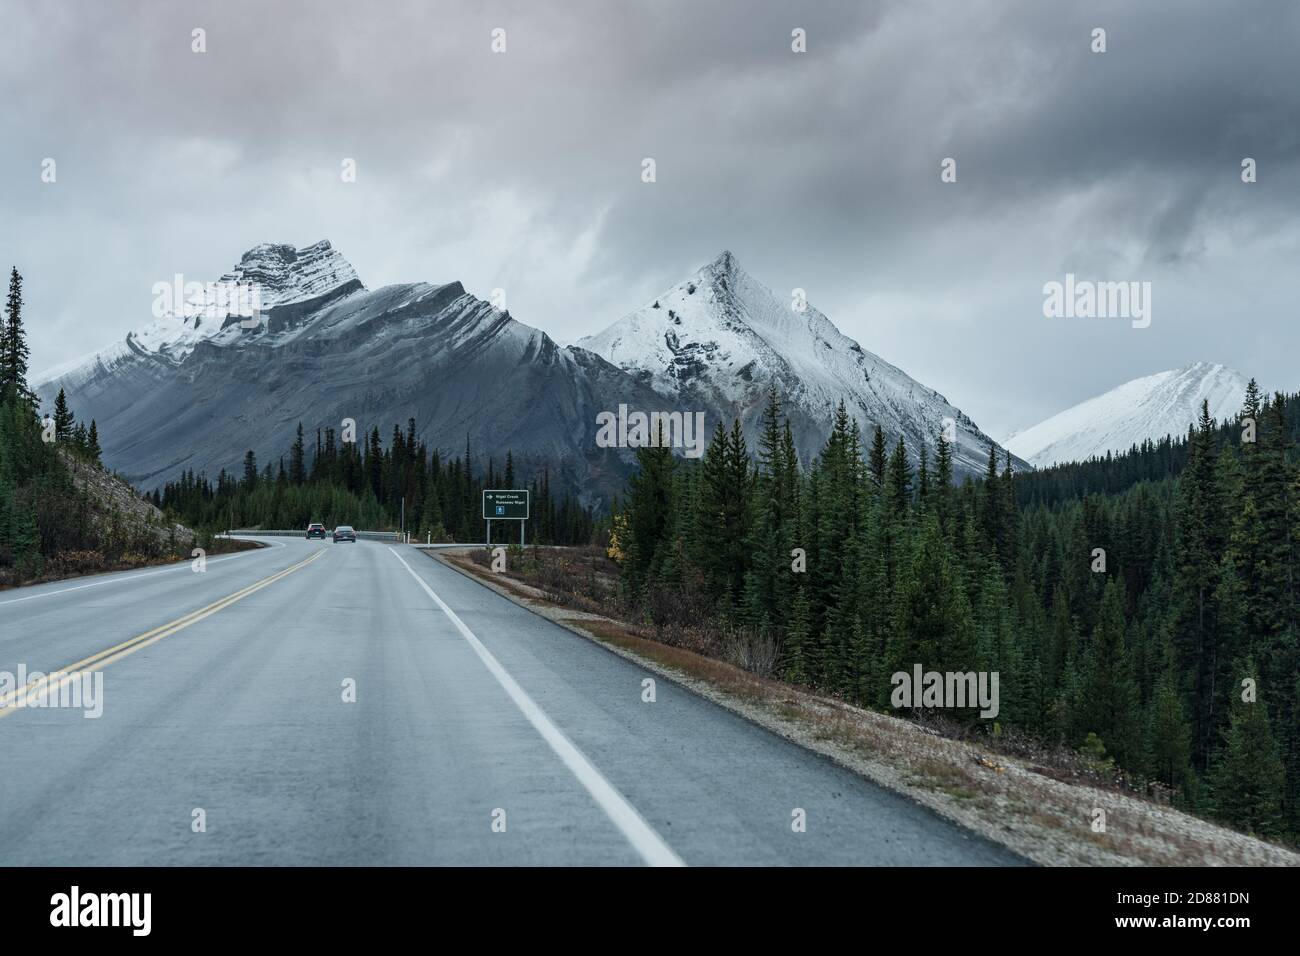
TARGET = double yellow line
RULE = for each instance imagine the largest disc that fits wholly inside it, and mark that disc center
(50, 683)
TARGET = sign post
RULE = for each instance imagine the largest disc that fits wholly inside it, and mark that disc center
(505, 505)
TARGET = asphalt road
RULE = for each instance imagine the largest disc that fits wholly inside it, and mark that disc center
(480, 733)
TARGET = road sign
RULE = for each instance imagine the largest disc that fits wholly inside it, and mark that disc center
(501, 505)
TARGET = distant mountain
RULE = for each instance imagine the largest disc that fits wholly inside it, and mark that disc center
(186, 393)
(195, 390)
(1152, 407)
(717, 339)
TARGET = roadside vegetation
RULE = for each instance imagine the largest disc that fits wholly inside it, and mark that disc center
(61, 513)
(1140, 609)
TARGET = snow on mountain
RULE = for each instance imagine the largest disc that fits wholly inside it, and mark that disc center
(195, 391)
(284, 276)
(287, 275)
(1151, 407)
(187, 394)
(720, 337)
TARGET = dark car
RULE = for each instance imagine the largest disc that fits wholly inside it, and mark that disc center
(316, 530)
(344, 532)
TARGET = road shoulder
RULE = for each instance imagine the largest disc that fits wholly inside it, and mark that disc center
(1046, 820)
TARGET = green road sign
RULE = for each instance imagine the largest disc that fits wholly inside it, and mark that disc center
(503, 505)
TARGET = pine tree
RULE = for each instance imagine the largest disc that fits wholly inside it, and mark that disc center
(648, 510)
(13, 361)
(375, 465)
(943, 491)
(250, 470)
(1200, 533)
(298, 459)
(1170, 734)
(1246, 781)
(710, 507)
(898, 484)
(1006, 493)
(63, 418)
(794, 666)
(878, 459)
(931, 619)
(773, 515)
(92, 443)
(1106, 701)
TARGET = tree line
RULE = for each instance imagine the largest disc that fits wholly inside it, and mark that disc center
(1152, 627)
(374, 486)
(44, 516)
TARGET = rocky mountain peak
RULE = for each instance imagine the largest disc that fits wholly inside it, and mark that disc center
(289, 274)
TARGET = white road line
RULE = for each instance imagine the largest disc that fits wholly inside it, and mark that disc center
(630, 823)
(130, 577)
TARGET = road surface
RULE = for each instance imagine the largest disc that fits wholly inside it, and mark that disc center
(479, 733)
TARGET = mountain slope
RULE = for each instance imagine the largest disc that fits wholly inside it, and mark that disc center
(1151, 407)
(716, 341)
(290, 280)
(194, 393)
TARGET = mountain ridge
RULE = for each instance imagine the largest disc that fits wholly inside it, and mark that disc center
(1149, 407)
(193, 393)
(719, 337)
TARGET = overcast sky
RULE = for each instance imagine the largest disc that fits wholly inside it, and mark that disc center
(818, 170)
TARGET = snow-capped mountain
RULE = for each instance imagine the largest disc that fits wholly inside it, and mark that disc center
(1151, 407)
(194, 393)
(284, 276)
(717, 339)
(187, 394)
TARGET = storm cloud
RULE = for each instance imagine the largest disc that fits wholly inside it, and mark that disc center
(820, 170)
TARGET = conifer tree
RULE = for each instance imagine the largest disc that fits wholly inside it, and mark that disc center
(1106, 699)
(63, 418)
(773, 520)
(923, 479)
(1170, 738)
(898, 485)
(13, 360)
(1200, 540)
(794, 666)
(648, 510)
(1247, 779)
(298, 459)
(878, 459)
(931, 619)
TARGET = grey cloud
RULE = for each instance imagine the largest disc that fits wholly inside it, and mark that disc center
(818, 170)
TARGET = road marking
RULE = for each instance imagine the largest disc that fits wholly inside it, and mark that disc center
(102, 659)
(132, 577)
(633, 826)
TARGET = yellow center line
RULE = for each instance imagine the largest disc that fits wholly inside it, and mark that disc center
(110, 655)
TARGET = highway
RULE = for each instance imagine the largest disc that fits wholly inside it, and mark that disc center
(318, 704)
